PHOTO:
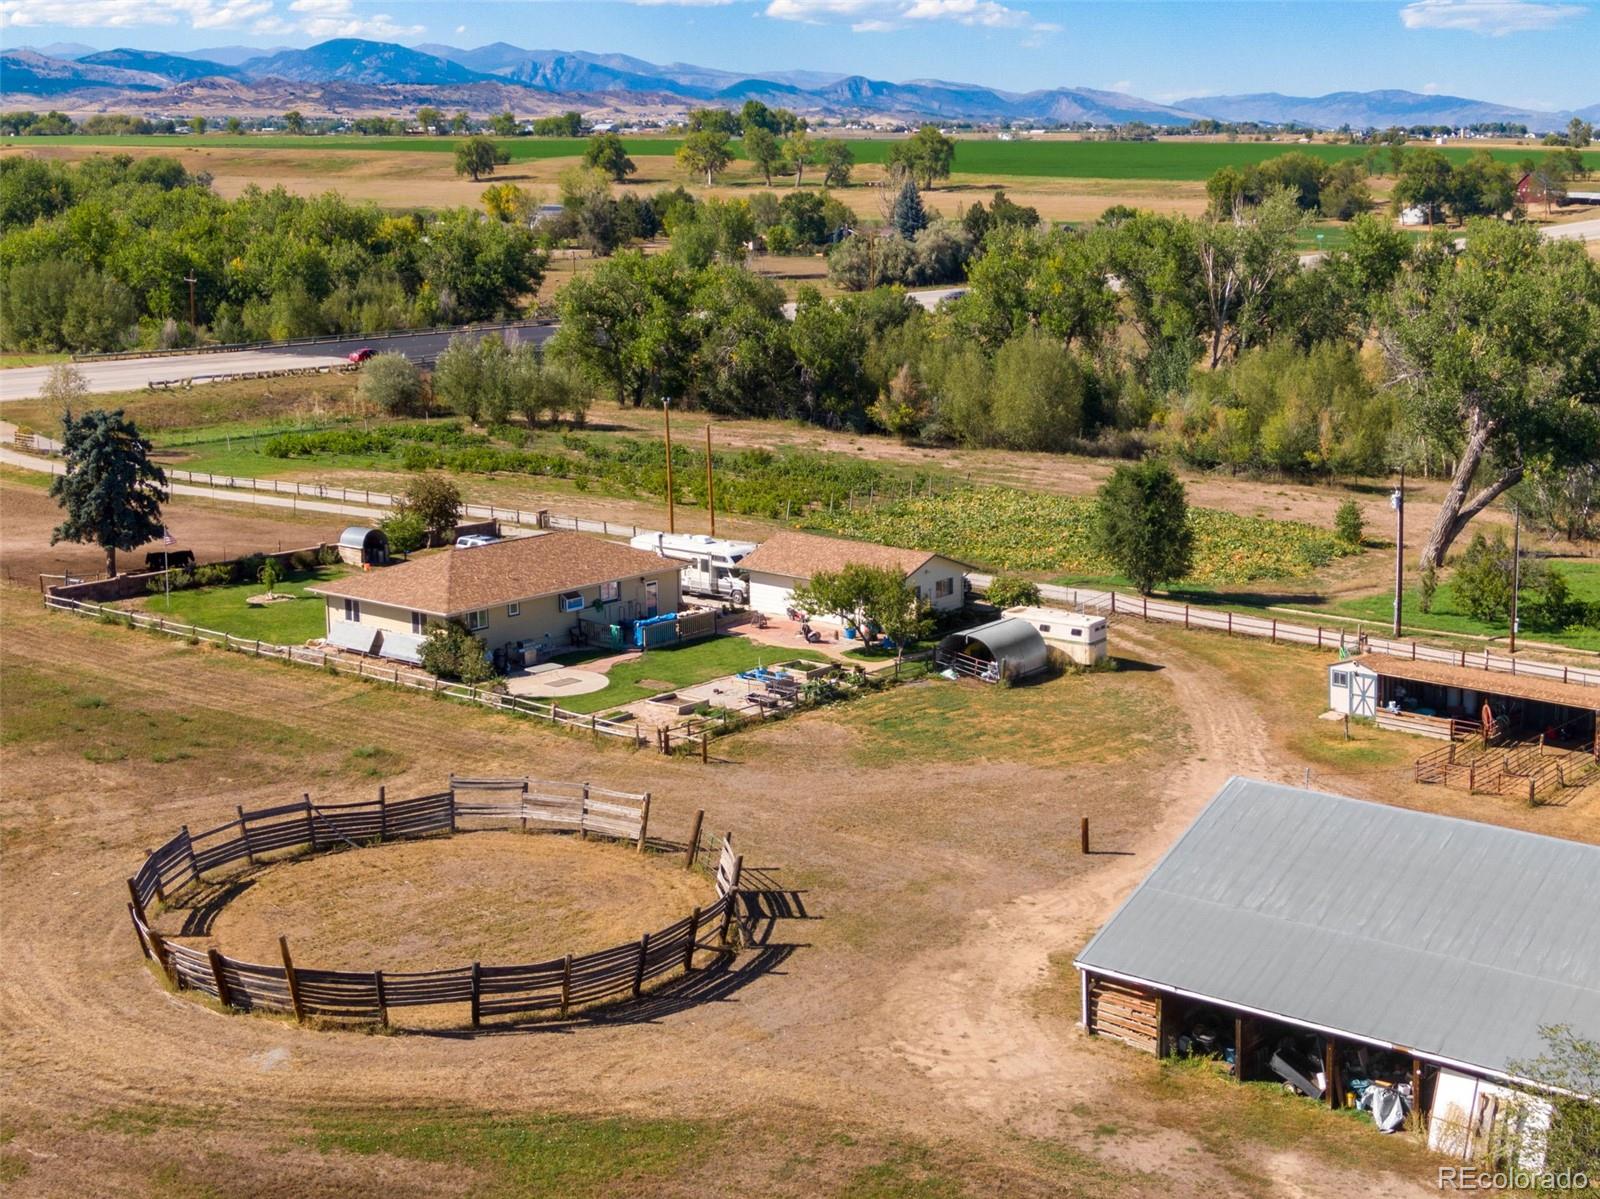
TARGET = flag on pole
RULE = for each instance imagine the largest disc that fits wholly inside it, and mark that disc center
(166, 536)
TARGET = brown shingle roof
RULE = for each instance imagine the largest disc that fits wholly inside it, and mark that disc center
(1494, 682)
(802, 555)
(454, 581)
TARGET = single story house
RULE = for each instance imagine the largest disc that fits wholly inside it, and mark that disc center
(521, 597)
(1079, 635)
(786, 561)
(1437, 699)
(1342, 946)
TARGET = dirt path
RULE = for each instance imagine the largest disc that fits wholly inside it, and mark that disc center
(969, 1017)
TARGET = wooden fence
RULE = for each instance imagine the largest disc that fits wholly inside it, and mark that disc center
(338, 663)
(1112, 603)
(557, 986)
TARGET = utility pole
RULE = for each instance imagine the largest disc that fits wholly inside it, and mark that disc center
(1397, 500)
(666, 415)
(711, 492)
(1516, 570)
(191, 281)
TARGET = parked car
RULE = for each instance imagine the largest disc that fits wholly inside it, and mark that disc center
(360, 355)
(470, 540)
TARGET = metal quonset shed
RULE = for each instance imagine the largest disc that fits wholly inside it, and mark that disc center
(361, 546)
(1320, 935)
(1008, 648)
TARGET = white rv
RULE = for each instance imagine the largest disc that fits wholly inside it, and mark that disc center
(711, 565)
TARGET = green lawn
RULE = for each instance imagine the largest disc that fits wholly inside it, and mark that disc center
(1060, 159)
(224, 609)
(1447, 617)
(679, 666)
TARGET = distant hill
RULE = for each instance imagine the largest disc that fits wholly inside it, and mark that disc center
(27, 72)
(354, 73)
(175, 68)
(231, 56)
(1361, 110)
(355, 60)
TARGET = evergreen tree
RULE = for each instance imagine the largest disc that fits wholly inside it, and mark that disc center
(1143, 524)
(111, 491)
(908, 216)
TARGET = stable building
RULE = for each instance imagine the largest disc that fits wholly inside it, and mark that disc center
(1008, 649)
(786, 561)
(1345, 947)
(523, 597)
(1448, 702)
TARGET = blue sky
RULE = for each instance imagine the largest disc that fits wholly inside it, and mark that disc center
(1533, 53)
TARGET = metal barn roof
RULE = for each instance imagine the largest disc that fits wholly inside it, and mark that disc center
(1453, 939)
(355, 536)
(1014, 643)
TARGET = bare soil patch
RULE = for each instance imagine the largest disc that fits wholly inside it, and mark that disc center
(212, 529)
(497, 897)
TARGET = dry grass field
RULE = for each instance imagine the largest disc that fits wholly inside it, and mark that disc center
(410, 180)
(913, 1035)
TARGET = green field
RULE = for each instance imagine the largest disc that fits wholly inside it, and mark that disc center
(1057, 159)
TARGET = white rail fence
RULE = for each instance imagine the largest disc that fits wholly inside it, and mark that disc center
(1111, 603)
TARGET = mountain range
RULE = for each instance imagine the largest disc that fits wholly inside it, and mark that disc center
(366, 74)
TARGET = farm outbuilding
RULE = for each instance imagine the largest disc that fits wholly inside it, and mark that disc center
(1445, 701)
(788, 560)
(1008, 648)
(1347, 947)
(361, 546)
(1079, 635)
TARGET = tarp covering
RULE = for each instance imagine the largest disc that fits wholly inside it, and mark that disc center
(402, 647)
(348, 634)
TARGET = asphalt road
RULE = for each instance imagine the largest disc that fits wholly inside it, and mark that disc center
(133, 374)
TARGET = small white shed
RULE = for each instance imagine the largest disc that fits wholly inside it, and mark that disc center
(1079, 635)
(1352, 689)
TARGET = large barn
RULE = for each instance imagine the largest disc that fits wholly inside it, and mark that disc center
(1339, 945)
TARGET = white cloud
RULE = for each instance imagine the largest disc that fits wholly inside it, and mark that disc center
(880, 16)
(1121, 85)
(1496, 18)
(124, 14)
(337, 18)
(461, 28)
(315, 18)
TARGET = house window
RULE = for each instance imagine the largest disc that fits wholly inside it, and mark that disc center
(1341, 678)
(513, 609)
(610, 593)
(419, 622)
(477, 621)
(352, 611)
(943, 588)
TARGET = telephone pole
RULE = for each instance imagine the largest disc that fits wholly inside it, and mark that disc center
(666, 415)
(191, 281)
(1397, 500)
(1516, 570)
(711, 491)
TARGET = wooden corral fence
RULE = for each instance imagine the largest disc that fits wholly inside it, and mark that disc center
(558, 986)
(360, 667)
(1110, 603)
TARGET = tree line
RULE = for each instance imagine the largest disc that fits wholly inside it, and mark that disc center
(98, 255)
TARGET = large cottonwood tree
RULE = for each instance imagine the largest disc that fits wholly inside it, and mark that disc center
(1496, 353)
